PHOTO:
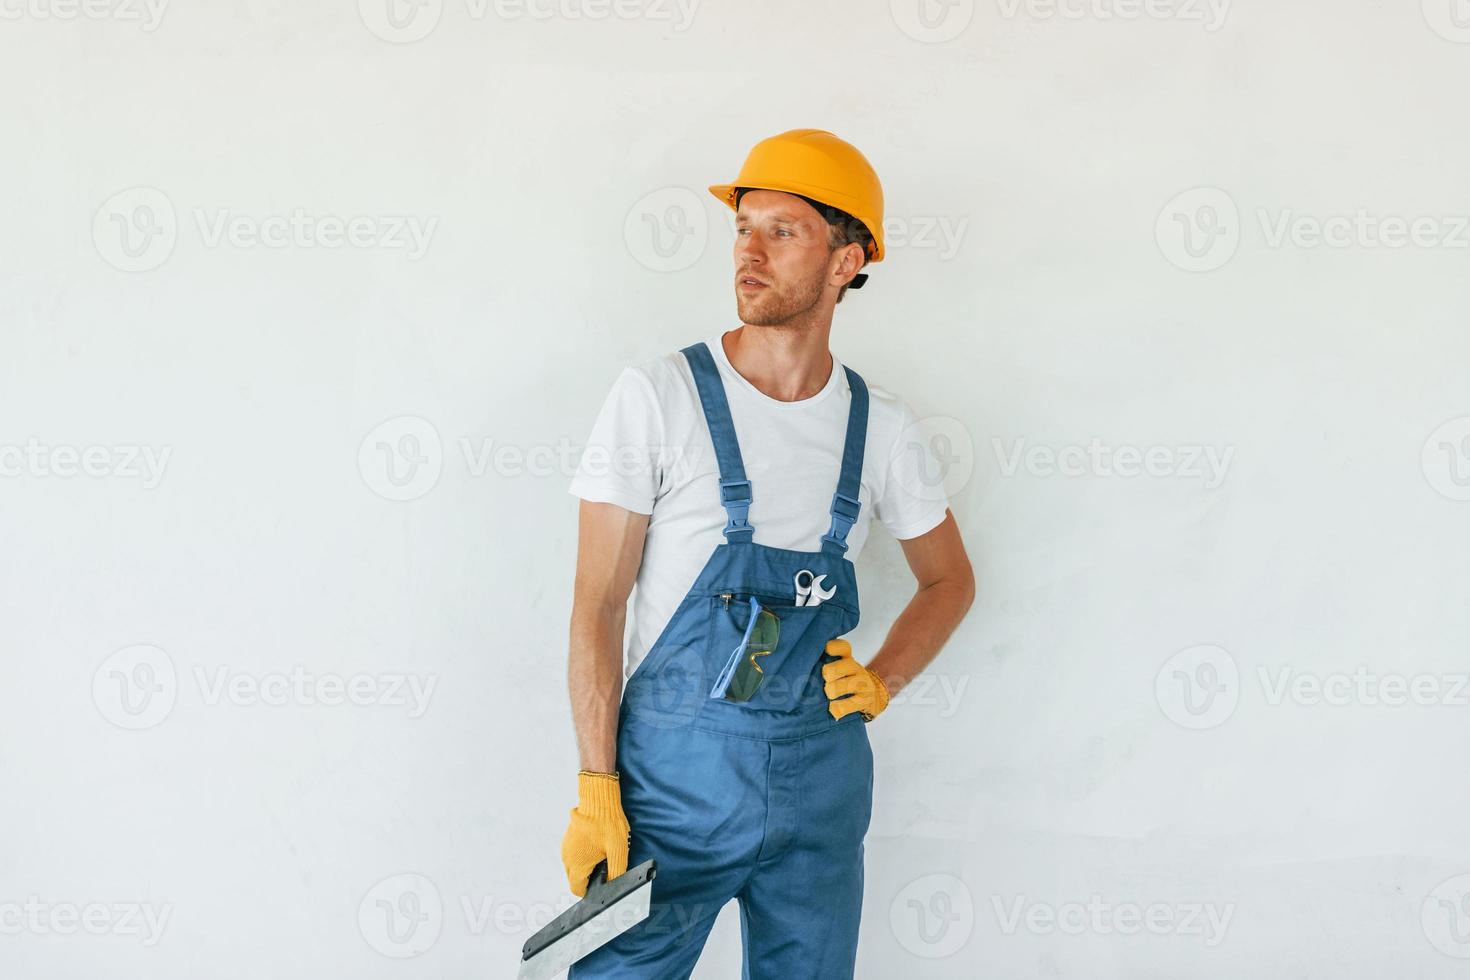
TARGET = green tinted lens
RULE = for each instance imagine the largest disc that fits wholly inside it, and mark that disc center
(748, 675)
(767, 632)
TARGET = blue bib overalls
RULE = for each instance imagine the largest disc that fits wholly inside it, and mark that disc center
(765, 801)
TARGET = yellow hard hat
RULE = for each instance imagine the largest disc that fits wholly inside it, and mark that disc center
(816, 164)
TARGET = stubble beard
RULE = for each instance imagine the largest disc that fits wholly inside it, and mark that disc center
(776, 306)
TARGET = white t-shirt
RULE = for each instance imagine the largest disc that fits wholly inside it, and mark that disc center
(650, 451)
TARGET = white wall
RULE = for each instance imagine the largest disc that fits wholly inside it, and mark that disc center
(1053, 759)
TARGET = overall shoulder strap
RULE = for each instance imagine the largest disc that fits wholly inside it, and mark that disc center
(735, 493)
(845, 504)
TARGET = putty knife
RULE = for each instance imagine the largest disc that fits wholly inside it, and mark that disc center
(609, 909)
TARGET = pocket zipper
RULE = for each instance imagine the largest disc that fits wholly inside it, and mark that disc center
(766, 601)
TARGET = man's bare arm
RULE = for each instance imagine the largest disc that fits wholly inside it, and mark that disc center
(609, 553)
(946, 589)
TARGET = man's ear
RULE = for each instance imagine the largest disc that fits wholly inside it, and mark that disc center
(851, 264)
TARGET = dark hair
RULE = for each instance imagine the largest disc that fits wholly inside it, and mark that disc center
(842, 229)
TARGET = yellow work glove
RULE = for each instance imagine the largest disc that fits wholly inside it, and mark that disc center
(598, 830)
(845, 676)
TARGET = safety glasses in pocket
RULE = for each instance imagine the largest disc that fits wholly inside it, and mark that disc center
(742, 673)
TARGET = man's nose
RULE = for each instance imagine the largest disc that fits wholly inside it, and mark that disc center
(750, 249)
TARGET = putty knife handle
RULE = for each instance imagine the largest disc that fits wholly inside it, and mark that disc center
(599, 876)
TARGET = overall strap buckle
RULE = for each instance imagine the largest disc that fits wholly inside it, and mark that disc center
(844, 511)
(735, 497)
(845, 504)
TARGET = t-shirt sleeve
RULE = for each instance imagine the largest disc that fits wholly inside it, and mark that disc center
(913, 500)
(621, 461)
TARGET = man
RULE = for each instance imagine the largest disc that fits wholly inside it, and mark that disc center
(737, 754)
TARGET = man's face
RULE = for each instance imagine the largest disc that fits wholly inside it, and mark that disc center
(782, 258)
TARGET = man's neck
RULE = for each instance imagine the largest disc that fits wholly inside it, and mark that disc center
(785, 363)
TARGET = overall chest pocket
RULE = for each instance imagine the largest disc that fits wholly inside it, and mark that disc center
(773, 665)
